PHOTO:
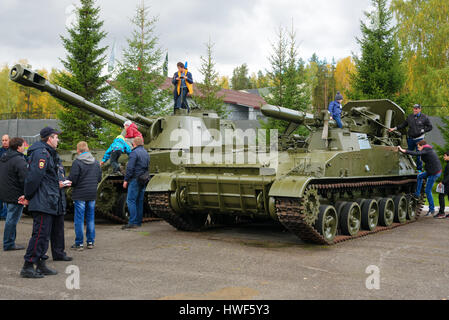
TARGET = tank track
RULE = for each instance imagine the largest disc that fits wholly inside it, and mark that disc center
(290, 212)
(160, 204)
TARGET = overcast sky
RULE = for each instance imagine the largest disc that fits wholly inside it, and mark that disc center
(241, 29)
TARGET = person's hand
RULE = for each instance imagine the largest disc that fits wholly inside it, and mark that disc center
(125, 184)
(101, 163)
(401, 149)
(23, 201)
(391, 129)
(331, 118)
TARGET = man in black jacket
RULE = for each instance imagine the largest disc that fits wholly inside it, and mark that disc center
(432, 173)
(138, 163)
(418, 124)
(445, 184)
(13, 168)
(43, 197)
(85, 175)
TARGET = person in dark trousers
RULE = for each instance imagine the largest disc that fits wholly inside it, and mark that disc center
(13, 169)
(432, 171)
(335, 108)
(418, 125)
(115, 150)
(183, 82)
(445, 184)
(85, 175)
(43, 199)
(138, 163)
(3, 149)
(57, 238)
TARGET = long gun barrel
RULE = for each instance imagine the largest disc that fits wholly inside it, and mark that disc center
(289, 115)
(32, 79)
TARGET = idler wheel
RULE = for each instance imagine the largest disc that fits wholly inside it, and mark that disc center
(327, 222)
(386, 212)
(350, 219)
(401, 207)
(370, 214)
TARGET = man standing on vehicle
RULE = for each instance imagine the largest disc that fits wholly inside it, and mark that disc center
(43, 197)
(418, 124)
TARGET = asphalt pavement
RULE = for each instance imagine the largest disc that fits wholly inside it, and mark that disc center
(252, 261)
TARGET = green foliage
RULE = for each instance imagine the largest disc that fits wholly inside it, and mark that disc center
(240, 79)
(445, 133)
(208, 97)
(140, 74)
(287, 78)
(379, 72)
(320, 78)
(423, 29)
(84, 63)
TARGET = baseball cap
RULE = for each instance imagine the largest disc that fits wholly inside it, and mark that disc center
(417, 106)
(48, 131)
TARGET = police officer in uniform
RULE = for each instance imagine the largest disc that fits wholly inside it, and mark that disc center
(43, 197)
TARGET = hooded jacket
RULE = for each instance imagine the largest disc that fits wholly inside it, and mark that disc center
(13, 170)
(118, 144)
(133, 132)
(430, 158)
(42, 182)
(85, 175)
(335, 109)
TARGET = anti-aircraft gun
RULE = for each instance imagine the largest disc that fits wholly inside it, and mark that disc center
(163, 136)
(334, 185)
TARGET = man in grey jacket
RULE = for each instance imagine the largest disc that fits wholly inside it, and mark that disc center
(85, 175)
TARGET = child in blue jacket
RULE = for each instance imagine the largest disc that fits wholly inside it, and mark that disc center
(335, 109)
(114, 152)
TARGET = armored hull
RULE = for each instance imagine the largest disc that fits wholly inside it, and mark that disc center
(335, 185)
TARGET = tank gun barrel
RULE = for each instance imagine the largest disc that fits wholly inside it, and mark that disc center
(290, 115)
(29, 78)
(147, 122)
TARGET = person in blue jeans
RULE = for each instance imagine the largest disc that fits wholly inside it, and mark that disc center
(13, 169)
(432, 171)
(335, 109)
(138, 163)
(3, 210)
(85, 175)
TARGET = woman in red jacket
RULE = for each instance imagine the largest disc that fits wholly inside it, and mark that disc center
(131, 130)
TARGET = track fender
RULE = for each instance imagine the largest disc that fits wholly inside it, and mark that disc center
(289, 187)
(162, 182)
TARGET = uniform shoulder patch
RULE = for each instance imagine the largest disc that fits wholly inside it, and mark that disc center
(41, 163)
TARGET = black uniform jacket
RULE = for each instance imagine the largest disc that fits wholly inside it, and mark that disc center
(13, 169)
(42, 182)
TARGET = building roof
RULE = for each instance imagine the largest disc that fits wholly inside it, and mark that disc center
(229, 96)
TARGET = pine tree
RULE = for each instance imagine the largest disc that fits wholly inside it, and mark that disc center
(208, 97)
(240, 79)
(140, 74)
(379, 73)
(288, 75)
(84, 62)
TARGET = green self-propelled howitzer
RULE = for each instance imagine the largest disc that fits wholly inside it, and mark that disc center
(334, 185)
(163, 136)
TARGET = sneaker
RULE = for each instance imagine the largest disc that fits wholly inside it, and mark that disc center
(90, 245)
(77, 247)
(439, 216)
(429, 214)
(447, 216)
(415, 197)
(129, 226)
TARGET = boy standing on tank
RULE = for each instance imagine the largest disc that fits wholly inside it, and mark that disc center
(335, 109)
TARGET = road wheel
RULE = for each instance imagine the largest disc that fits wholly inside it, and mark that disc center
(401, 208)
(327, 222)
(370, 214)
(121, 208)
(350, 219)
(412, 204)
(386, 212)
